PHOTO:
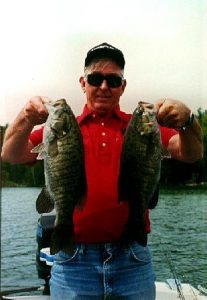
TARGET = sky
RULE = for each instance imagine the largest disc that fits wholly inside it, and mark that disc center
(44, 44)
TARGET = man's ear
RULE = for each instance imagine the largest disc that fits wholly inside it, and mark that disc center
(82, 83)
(124, 83)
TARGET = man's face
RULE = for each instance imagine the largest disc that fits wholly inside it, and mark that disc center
(102, 98)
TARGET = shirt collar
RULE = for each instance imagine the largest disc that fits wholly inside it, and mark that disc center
(88, 113)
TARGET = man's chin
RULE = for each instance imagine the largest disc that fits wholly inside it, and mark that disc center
(102, 109)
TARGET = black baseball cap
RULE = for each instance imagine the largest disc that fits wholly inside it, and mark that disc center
(105, 50)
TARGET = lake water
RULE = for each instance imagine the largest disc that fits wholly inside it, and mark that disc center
(178, 240)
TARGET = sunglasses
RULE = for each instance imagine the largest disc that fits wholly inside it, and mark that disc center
(96, 79)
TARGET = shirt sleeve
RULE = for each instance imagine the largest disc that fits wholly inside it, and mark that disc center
(166, 134)
(36, 136)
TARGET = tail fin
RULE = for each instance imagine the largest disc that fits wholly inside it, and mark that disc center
(62, 239)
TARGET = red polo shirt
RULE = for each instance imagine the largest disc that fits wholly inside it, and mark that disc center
(103, 217)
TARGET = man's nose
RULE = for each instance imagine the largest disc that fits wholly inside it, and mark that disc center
(104, 84)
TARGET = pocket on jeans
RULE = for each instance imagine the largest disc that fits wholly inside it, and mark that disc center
(62, 258)
(140, 253)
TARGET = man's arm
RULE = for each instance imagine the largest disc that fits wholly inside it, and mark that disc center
(187, 145)
(17, 146)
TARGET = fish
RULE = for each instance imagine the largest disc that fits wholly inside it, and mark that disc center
(64, 167)
(140, 168)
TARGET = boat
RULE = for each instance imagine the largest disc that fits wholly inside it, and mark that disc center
(171, 289)
(164, 291)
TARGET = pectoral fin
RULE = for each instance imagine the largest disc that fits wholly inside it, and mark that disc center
(40, 149)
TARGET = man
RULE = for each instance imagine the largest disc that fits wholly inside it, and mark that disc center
(100, 268)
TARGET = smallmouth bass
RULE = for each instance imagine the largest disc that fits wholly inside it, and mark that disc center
(65, 181)
(140, 168)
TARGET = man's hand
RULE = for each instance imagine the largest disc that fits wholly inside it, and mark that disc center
(172, 113)
(35, 112)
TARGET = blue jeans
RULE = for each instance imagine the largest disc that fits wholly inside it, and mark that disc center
(103, 271)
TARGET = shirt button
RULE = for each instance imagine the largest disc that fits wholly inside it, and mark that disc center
(103, 144)
(103, 133)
